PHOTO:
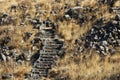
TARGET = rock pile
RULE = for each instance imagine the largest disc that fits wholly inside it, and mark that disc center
(75, 13)
(6, 54)
(103, 39)
(108, 2)
(6, 19)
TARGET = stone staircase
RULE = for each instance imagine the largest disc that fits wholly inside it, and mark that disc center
(48, 55)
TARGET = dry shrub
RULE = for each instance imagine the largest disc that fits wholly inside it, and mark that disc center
(117, 3)
(70, 31)
(90, 3)
(17, 37)
(18, 70)
(21, 70)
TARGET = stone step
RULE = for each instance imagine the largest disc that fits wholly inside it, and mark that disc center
(35, 77)
(56, 40)
(49, 42)
(43, 39)
(50, 61)
(49, 50)
(40, 70)
(49, 30)
(46, 34)
(47, 47)
(45, 64)
(46, 51)
(46, 59)
(49, 33)
(38, 76)
(46, 37)
(52, 46)
(35, 74)
(42, 67)
(49, 54)
(53, 56)
(43, 75)
(44, 28)
(53, 42)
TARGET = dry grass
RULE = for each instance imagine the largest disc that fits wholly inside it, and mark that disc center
(21, 70)
(89, 66)
(18, 70)
(117, 3)
(17, 33)
(91, 3)
(72, 31)
(17, 37)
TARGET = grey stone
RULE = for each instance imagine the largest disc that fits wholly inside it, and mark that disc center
(7, 76)
(117, 17)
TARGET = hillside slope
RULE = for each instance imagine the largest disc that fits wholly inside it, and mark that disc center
(88, 31)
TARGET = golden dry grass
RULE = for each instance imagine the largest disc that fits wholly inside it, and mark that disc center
(89, 66)
(17, 33)
(91, 3)
(117, 3)
(18, 70)
(72, 31)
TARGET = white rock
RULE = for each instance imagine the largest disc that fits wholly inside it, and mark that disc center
(67, 16)
(3, 57)
(104, 42)
(101, 47)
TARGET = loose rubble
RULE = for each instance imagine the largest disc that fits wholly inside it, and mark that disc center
(103, 39)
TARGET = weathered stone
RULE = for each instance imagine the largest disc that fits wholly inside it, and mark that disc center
(49, 53)
(7, 76)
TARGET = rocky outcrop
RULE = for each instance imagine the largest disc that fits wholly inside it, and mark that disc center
(103, 39)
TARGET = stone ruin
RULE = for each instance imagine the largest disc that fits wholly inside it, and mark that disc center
(48, 55)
